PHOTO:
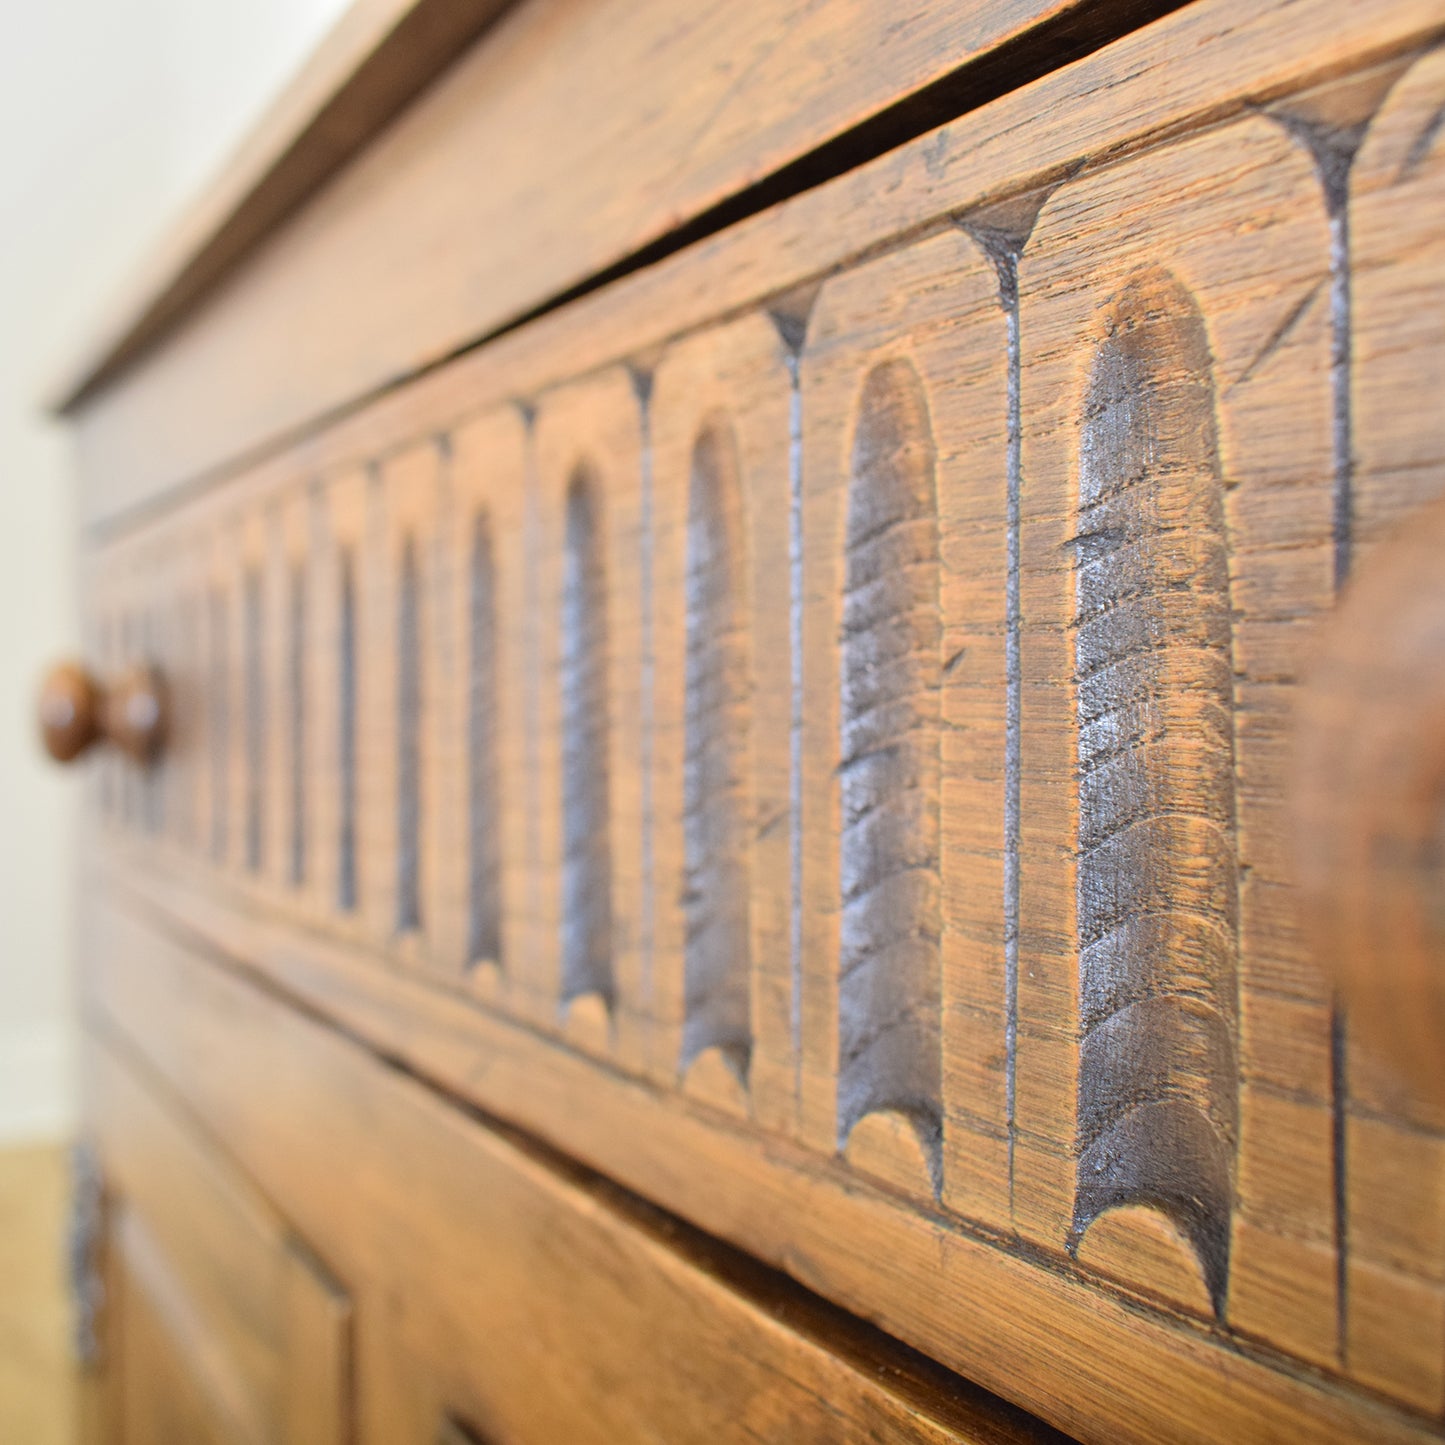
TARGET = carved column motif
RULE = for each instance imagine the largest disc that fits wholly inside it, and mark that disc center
(1158, 909)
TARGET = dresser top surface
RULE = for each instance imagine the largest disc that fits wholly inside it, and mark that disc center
(373, 61)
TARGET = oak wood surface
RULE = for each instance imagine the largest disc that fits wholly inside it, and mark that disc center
(805, 729)
(219, 1325)
(164, 1398)
(523, 1297)
(1083, 1358)
(638, 117)
(379, 56)
(1035, 981)
(150, 433)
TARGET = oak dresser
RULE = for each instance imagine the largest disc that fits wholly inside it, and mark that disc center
(731, 801)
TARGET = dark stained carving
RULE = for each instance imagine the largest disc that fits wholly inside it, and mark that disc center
(888, 994)
(158, 768)
(408, 742)
(218, 717)
(1002, 232)
(716, 792)
(586, 846)
(484, 932)
(296, 720)
(1157, 877)
(346, 736)
(255, 718)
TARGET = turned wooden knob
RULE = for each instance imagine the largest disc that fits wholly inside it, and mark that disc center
(76, 712)
(1370, 803)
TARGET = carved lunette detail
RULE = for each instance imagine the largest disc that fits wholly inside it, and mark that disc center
(716, 792)
(1157, 876)
(889, 966)
(586, 846)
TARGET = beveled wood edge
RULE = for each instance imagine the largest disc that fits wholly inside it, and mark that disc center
(1087, 116)
(771, 1202)
(377, 57)
(882, 1365)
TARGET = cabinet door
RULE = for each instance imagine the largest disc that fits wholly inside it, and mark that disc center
(215, 1326)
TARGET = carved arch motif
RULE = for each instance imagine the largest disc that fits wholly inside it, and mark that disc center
(586, 844)
(889, 965)
(716, 791)
(1158, 1111)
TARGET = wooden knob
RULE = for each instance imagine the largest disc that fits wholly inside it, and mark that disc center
(1370, 804)
(76, 711)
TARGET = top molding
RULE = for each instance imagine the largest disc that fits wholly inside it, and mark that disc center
(379, 56)
(542, 144)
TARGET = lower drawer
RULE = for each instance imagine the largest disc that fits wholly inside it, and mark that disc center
(485, 1292)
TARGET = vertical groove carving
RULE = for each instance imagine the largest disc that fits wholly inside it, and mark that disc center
(218, 698)
(642, 381)
(408, 742)
(1157, 885)
(888, 992)
(153, 801)
(346, 736)
(484, 930)
(128, 780)
(255, 718)
(296, 719)
(586, 846)
(716, 845)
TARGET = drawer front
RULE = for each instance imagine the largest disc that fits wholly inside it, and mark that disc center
(498, 1295)
(805, 730)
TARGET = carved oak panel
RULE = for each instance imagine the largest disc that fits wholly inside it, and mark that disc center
(849, 734)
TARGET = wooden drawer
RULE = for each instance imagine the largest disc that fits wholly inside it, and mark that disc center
(803, 731)
(497, 1295)
(211, 1321)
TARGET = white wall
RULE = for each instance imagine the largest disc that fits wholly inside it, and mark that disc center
(112, 114)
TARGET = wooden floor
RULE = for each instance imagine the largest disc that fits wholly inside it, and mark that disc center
(37, 1395)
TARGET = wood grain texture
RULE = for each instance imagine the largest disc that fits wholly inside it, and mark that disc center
(483, 840)
(888, 843)
(638, 117)
(1261, 54)
(1367, 800)
(1394, 1134)
(486, 846)
(586, 879)
(732, 384)
(379, 56)
(219, 1325)
(717, 956)
(1006, 484)
(166, 1400)
(590, 594)
(1158, 952)
(205, 1254)
(522, 1295)
(1269, 415)
(971, 1312)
